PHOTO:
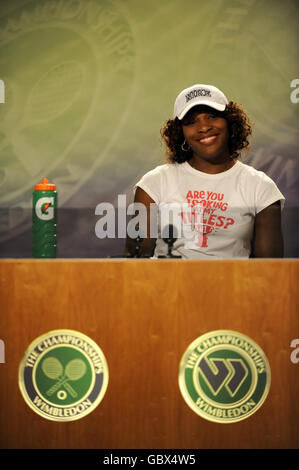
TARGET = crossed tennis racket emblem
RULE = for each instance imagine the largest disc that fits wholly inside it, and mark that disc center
(53, 369)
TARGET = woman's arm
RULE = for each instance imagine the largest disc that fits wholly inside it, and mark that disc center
(148, 243)
(268, 239)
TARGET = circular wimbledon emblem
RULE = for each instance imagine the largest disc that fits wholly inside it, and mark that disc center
(224, 376)
(63, 375)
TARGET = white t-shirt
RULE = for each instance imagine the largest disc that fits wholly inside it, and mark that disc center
(213, 214)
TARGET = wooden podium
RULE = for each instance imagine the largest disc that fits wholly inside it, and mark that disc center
(143, 314)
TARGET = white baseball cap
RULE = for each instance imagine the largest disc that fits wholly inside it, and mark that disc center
(199, 94)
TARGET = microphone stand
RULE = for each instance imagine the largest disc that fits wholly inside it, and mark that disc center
(137, 249)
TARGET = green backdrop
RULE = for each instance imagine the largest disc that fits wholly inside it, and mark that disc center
(89, 83)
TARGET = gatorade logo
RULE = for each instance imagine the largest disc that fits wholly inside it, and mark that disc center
(224, 376)
(44, 208)
(63, 375)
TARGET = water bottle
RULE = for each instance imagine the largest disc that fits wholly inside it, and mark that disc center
(44, 217)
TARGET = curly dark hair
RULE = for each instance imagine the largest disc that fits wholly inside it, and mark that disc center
(239, 128)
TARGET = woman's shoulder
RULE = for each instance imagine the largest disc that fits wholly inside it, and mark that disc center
(160, 170)
(265, 189)
(156, 180)
(253, 173)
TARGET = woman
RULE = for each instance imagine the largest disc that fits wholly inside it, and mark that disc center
(226, 209)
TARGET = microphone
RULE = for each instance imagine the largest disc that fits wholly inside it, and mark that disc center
(169, 236)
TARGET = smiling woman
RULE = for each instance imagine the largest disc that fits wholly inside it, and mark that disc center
(237, 209)
(233, 118)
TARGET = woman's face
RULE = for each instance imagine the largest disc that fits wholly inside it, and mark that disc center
(206, 132)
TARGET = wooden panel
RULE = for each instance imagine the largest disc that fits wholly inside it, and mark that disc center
(143, 314)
